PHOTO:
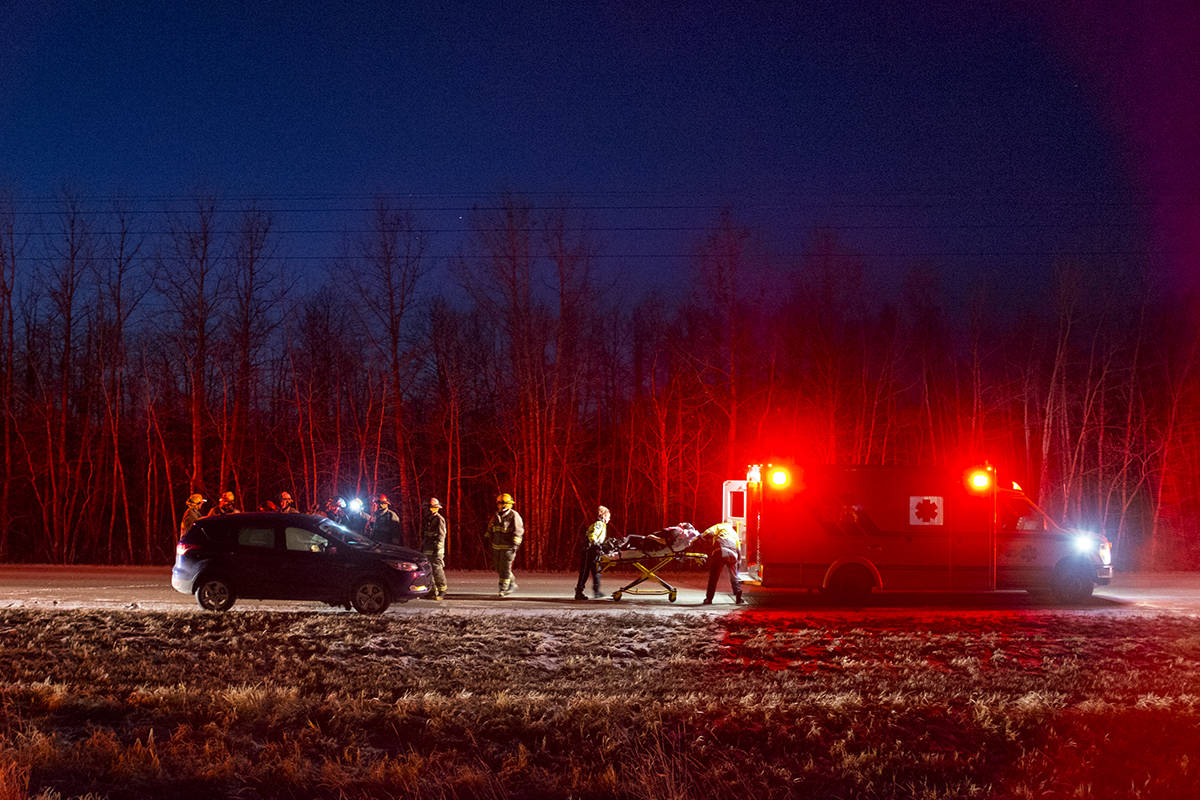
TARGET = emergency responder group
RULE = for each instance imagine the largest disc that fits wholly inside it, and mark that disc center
(502, 538)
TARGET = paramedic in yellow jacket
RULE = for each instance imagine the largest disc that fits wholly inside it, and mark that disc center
(589, 553)
(503, 536)
(721, 541)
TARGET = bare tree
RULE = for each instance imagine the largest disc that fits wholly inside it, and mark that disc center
(722, 278)
(11, 247)
(66, 426)
(189, 278)
(390, 262)
(257, 290)
(119, 293)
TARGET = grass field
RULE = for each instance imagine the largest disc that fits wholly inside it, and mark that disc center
(751, 705)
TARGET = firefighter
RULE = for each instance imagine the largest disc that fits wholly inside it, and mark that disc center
(286, 504)
(384, 525)
(503, 537)
(225, 506)
(356, 517)
(191, 513)
(722, 541)
(335, 510)
(433, 545)
(589, 554)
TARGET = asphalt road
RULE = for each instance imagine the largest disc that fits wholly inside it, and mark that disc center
(149, 588)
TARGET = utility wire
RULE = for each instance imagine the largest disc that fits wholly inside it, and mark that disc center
(664, 256)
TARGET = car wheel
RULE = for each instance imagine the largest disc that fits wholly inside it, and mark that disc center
(1072, 583)
(215, 594)
(370, 596)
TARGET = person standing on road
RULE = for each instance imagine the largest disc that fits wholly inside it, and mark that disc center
(589, 554)
(384, 525)
(335, 510)
(286, 504)
(722, 542)
(356, 517)
(503, 536)
(433, 545)
(191, 513)
(225, 506)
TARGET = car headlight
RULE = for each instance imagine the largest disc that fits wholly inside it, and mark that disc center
(403, 566)
(1084, 543)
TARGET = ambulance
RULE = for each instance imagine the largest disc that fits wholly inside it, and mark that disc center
(851, 531)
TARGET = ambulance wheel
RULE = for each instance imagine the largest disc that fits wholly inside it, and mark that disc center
(851, 585)
(671, 596)
(1072, 583)
(617, 594)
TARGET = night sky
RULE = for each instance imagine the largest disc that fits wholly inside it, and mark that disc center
(989, 139)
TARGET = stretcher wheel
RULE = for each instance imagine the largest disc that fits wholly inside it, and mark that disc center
(671, 596)
(617, 595)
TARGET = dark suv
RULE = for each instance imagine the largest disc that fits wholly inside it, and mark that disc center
(294, 557)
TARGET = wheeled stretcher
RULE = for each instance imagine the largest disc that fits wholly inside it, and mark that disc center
(651, 553)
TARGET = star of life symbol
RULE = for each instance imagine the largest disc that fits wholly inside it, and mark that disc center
(925, 510)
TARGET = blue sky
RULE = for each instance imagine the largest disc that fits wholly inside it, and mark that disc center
(918, 130)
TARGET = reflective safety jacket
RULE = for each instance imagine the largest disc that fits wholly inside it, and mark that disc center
(596, 533)
(505, 530)
(723, 535)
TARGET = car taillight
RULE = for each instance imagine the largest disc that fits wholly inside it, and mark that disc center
(181, 548)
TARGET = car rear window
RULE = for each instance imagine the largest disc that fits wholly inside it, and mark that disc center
(256, 537)
(195, 535)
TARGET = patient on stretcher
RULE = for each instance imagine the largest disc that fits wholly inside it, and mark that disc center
(675, 539)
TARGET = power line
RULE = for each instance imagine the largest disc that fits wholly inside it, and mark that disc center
(967, 202)
(802, 254)
(947, 194)
(949, 226)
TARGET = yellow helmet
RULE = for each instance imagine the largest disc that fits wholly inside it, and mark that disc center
(504, 498)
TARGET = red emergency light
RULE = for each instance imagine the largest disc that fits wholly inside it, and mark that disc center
(778, 477)
(979, 479)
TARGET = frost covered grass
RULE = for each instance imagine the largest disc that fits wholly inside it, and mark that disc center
(756, 704)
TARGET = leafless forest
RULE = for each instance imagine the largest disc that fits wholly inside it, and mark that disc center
(145, 355)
